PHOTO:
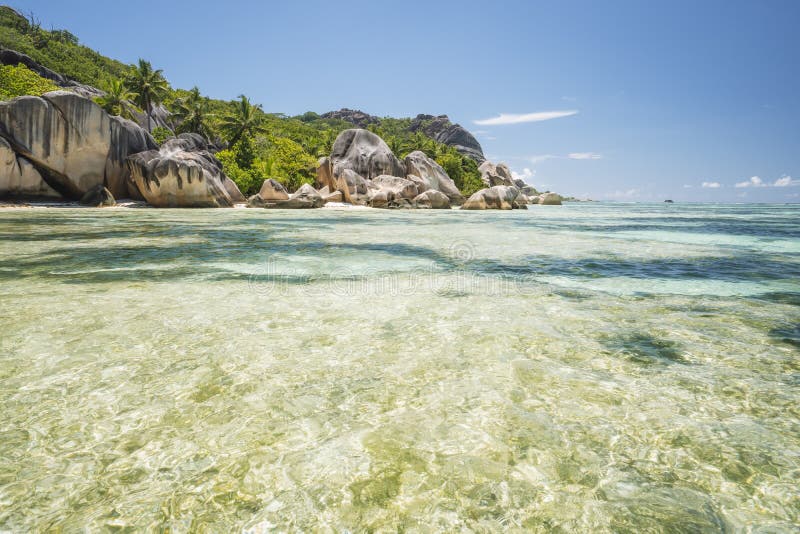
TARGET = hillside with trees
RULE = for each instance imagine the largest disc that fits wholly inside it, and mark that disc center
(253, 144)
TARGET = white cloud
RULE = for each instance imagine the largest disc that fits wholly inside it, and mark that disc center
(711, 185)
(517, 118)
(584, 155)
(538, 158)
(754, 181)
(541, 157)
(786, 181)
(687, 186)
(524, 175)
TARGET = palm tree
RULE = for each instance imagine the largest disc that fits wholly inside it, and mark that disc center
(244, 119)
(117, 100)
(193, 113)
(150, 87)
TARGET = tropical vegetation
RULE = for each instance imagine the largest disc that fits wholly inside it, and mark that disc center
(254, 145)
(19, 80)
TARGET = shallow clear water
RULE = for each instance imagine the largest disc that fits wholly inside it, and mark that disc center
(579, 368)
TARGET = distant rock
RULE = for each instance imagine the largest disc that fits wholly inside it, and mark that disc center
(98, 196)
(364, 153)
(353, 116)
(432, 199)
(436, 127)
(549, 199)
(669, 201)
(69, 142)
(442, 130)
(499, 197)
(432, 175)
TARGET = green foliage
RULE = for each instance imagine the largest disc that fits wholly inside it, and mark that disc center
(149, 86)
(247, 180)
(193, 113)
(57, 50)
(161, 134)
(244, 153)
(288, 161)
(262, 145)
(20, 80)
(244, 119)
(117, 100)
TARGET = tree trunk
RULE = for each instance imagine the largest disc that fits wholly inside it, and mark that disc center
(148, 110)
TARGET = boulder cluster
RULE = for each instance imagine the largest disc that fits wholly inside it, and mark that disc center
(362, 170)
(63, 145)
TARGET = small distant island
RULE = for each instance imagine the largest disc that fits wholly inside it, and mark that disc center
(78, 126)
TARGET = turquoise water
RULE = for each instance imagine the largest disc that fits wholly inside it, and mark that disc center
(589, 367)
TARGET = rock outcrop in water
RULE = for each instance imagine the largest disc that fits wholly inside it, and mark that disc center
(183, 174)
(499, 197)
(62, 144)
(98, 197)
(549, 199)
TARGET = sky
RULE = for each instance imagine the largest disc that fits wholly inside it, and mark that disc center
(621, 100)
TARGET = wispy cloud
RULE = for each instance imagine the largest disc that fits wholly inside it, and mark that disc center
(518, 118)
(525, 175)
(711, 185)
(755, 181)
(786, 181)
(538, 158)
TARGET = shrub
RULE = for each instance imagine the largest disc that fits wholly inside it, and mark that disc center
(161, 134)
(19, 80)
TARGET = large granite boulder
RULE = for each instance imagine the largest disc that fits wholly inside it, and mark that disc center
(70, 142)
(272, 190)
(498, 174)
(549, 199)
(18, 176)
(364, 153)
(176, 178)
(325, 174)
(499, 197)
(432, 199)
(433, 175)
(399, 187)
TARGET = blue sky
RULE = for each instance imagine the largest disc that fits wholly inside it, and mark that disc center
(643, 100)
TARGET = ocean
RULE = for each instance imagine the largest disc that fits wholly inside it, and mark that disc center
(587, 367)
